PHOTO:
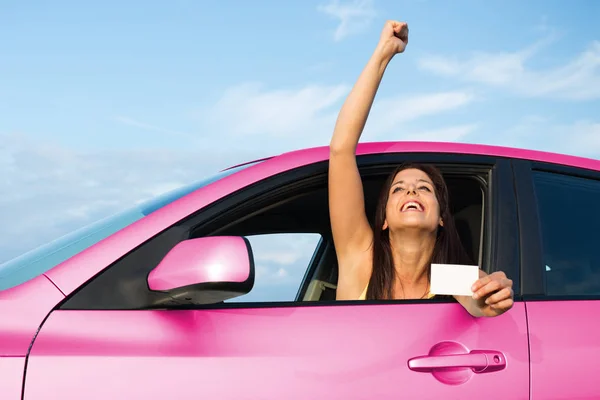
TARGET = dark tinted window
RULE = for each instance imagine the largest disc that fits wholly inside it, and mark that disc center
(570, 222)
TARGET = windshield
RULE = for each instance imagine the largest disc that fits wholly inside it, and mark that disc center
(44, 258)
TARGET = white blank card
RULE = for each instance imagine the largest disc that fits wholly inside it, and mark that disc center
(452, 279)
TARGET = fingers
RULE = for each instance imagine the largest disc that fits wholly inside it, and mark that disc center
(402, 33)
(497, 291)
(481, 283)
(398, 26)
(499, 296)
(489, 284)
(490, 287)
(503, 305)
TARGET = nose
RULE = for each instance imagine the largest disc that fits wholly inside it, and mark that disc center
(411, 190)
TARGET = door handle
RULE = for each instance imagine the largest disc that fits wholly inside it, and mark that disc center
(477, 360)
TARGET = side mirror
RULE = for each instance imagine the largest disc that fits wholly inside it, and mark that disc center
(204, 271)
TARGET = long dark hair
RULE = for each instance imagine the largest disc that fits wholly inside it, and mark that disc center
(448, 248)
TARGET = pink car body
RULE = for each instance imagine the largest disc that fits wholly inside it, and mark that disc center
(65, 336)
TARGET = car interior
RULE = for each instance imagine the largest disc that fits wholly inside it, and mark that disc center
(304, 209)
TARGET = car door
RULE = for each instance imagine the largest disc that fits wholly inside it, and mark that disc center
(350, 351)
(561, 278)
(104, 347)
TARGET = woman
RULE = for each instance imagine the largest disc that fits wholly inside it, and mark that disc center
(413, 225)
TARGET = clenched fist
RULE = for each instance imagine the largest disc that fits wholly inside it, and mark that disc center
(394, 38)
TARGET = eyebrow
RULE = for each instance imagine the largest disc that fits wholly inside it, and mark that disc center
(419, 180)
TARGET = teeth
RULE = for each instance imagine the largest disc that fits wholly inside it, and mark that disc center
(411, 204)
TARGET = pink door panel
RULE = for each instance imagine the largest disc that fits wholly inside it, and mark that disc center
(11, 377)
(565, 349)
(22, 309)
(345, 352)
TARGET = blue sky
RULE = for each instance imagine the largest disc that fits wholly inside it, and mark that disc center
(105, 103)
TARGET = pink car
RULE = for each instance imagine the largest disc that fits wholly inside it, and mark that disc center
(151, 303)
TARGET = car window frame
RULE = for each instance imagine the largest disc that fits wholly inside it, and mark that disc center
(500, 244)
(532, 250)
(500, 231)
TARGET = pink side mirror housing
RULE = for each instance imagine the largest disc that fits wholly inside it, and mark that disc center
(204, 271)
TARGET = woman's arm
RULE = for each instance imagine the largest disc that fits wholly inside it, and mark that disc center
(350, 227)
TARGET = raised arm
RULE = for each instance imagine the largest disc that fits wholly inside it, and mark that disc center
(350, 227)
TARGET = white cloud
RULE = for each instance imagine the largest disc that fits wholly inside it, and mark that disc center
(354, 16)
(279, 257)
(148, 127)
(49, 190)
(580, 137)
(277, 112)
(287, 119)
(389, 114)
(448, 134)
(257, 116)
(576, 79)
(584, 137)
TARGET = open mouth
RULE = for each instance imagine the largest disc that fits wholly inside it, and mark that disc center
(412, 206)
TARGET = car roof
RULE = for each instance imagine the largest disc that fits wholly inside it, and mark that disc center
(366, 148)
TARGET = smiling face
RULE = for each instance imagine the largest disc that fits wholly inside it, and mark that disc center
(412, 202)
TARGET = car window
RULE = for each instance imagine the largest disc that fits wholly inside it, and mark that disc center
(44, 258)
(280, 260)
(569, 217)
(284, 219)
